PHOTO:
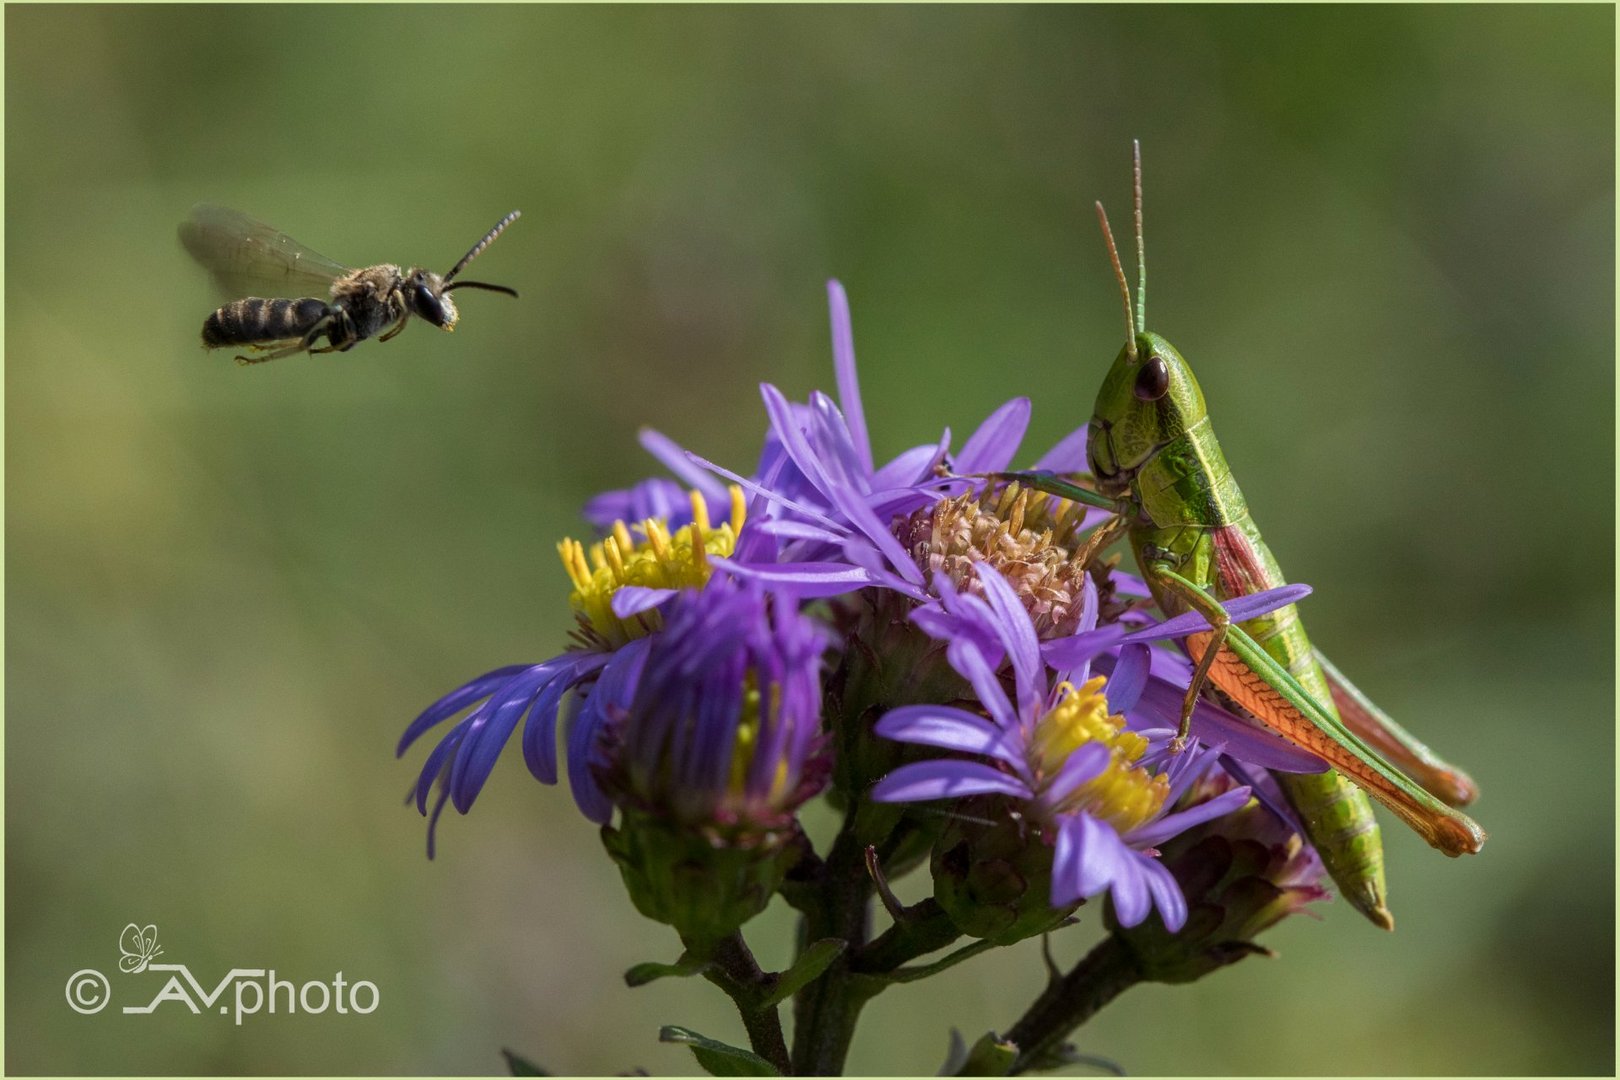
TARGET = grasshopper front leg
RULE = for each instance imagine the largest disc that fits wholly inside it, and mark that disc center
(1054, 484)
(1220, 624)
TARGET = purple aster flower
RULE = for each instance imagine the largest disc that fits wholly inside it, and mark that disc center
(619, 584)
(833, 509)
(1096, 785)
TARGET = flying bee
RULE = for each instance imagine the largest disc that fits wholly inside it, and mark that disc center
(245, 255)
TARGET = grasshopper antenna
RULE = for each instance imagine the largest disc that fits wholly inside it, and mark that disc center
(1141, 251)
(477, 250)
(1124, 286)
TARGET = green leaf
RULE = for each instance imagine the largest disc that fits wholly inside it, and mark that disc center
(718, 1058)
(805, 970)
(990, 1056)
(686, 966)
(520, 1066)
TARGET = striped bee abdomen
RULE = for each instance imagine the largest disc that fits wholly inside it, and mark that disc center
(255, 319)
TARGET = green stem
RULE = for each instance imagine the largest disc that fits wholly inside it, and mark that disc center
(825, 1012)
(924, 971)
(734, 970)
(920, 929)
(1105, 973)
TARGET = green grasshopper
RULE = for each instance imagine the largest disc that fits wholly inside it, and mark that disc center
(1156, 464)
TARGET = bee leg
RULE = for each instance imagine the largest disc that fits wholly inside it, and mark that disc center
(404, 317)
(302, 345)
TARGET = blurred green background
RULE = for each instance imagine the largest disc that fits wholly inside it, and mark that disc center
(1384, 236)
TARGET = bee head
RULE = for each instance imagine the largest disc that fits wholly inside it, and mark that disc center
(425, 295)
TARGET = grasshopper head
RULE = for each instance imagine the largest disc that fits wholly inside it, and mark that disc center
(1149, 398)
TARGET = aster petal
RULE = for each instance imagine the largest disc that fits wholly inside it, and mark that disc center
(1157, 832)
(971, 665)
(1130, 676)
(455, 701)
(612, 692)
(1238, 609)
(898, 502)
(433, 819)
(787, 427)
(873, 562)
(654, 498)
(775, 498)
(1106, 858)
(631, 600)
(1129, 890)
(947, 778)
(807, 580)
(860, 515)
(797, 530)
(1264, 788)
(540, 733)
(1166, 894)
(844, 372)
(1126, 584)
(493, 724)
(1086, 762)
(950, 729)
(909, 467)
(831, 438)
(991, 448)
(1066, 654)
(674, 458)
(434, 768)
(958, 632)
(1188, 768)
(1089, 604)
(1068, 455)
(1068, 861)
(582, 729)
(1018, 636)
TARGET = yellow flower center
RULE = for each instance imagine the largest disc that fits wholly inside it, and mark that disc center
(663, 560)
(1123, 794)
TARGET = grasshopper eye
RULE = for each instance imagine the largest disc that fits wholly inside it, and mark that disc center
(1153, 380)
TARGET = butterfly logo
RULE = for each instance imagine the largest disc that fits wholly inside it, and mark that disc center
(139, 945)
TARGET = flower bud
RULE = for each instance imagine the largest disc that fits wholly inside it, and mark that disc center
(716, 750)
(993, 874)
(1241, 874)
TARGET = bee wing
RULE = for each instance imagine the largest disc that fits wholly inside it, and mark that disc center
(249, 258)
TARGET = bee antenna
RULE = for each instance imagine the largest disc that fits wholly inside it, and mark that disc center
(478, 248)
(1141, 251)
(480, 285)
(1124, 286)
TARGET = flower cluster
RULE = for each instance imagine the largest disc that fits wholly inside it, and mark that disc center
(945, 648)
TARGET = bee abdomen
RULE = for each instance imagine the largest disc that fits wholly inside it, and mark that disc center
(255, 319)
